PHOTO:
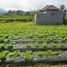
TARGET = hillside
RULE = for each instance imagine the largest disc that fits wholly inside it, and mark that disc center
(2, 11)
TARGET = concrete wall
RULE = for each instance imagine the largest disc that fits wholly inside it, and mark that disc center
(49, 17)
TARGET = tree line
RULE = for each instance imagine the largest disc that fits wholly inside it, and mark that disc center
(19, 13)
(27, 13)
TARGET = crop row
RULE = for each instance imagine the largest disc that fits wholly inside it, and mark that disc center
(7, 37)
(15, 19)
(32, 45)
(28, 36)
(34, 38)
(31, 56)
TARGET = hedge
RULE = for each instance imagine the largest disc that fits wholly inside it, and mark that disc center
(15, 19)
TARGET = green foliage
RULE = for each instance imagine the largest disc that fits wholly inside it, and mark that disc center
(27, 19)
(3, 54)
(36, 44)
(29, 31)
(53, 44)
(14, 54)
(61, 44)
(18, 13)
(10, 45)
(28, 56)
(44, 44)
(2, 45)
(16, 16)
(48, 53)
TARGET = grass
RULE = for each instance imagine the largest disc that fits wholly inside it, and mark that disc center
(30, 25)
(15, 16)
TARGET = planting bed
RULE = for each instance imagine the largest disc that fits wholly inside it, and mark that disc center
(33, 42)
(33, 45)
(37, 56)
(26, 42)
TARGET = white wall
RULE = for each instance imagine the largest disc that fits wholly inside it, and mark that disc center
(51, 17)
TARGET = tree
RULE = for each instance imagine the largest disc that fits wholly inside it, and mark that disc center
(62, 7)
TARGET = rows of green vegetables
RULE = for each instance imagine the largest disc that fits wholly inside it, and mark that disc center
(21, 56)
(32, 45)
(27, 35)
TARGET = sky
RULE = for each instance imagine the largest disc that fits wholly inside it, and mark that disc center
(27, 5)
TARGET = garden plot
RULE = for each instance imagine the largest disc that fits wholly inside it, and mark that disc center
(37, 56)
(31, 43)
(14, 41)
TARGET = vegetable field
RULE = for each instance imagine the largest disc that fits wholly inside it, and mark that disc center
(30, 43)
(16, 19)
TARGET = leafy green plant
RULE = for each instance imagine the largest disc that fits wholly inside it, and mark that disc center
(48, 53)
(28, 56)
(3, 55)
(44, 44)
(56, 52)
(40, 53)
(10, 45)
(54, 38)
(35, 38)
(14, 54)
(53, 44)
(1, 39)
(2, 45)
(61, 44)
(36, 44)
(28, 45)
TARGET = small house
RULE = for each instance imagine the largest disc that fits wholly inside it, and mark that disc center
(49, 15)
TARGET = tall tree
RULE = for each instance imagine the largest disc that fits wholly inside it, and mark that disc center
(62, 7)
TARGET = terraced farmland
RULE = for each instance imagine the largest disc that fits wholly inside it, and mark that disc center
(30, 43)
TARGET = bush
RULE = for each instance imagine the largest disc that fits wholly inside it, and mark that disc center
(16, 19)
(65, 20)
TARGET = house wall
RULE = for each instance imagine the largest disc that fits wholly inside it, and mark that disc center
(49, 17)
(66, 14)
